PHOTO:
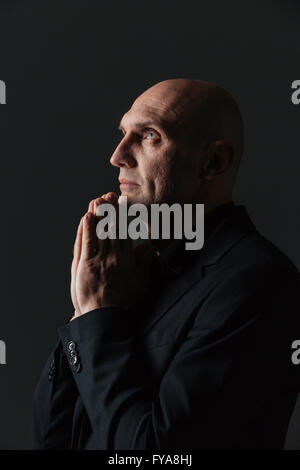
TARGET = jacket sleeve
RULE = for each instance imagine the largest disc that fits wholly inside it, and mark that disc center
(53, 404)
(231, 362)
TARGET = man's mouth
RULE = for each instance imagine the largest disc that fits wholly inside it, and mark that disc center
(127, 184)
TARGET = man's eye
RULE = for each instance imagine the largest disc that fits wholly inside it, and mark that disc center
(150, 135)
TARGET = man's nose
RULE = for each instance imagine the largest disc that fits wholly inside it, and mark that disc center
(123, 157)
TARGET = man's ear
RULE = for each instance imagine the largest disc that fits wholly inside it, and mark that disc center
(217, 159)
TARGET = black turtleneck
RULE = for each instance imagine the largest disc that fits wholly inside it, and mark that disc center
(212, 218)
(174, 252)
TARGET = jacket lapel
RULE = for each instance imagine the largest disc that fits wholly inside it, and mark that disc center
(186, 268)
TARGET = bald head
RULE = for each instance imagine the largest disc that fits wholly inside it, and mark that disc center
(183, 140)
(198, 110)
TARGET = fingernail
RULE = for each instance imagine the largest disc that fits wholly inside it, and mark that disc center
(88, 216)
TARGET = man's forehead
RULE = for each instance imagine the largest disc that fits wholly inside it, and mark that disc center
(148, 114)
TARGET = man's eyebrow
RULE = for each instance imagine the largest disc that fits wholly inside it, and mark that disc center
(138, 125)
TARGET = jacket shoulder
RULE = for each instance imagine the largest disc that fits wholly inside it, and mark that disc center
(255, 251)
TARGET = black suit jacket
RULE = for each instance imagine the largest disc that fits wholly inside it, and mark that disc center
(204, 360)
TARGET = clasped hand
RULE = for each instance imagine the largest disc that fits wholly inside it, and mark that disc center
(110, 272)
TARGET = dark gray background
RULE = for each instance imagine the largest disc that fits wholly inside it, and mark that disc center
(72, 68)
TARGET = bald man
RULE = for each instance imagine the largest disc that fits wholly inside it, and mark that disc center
(170, 349)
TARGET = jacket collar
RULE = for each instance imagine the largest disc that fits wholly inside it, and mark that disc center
(182, 269)
(223, 227)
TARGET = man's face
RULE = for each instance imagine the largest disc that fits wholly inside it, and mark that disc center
(159, 164)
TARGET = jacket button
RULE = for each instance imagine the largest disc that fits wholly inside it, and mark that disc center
(73, 360)
(73, 357)
(76, 367)
(71, 346)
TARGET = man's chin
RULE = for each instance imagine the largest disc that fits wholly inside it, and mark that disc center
(130, 200)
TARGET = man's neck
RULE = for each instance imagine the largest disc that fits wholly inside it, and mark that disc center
(211, 212)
